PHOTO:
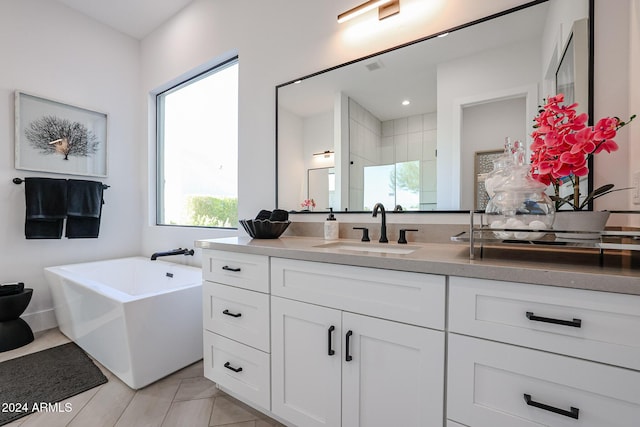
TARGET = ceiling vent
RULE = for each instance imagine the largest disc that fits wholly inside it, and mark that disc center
(373, 66)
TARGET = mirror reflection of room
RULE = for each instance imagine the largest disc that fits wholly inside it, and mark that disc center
(321, 185)
(405, 126)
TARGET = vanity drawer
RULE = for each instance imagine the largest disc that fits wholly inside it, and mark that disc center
(414, 298)
(488, 381)
(236, 269)
(223, 357)
(592, 325)
(236, 313)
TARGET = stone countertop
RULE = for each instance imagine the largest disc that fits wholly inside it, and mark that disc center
(450, 259)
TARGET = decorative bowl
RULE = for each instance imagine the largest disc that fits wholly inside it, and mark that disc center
(264, 228)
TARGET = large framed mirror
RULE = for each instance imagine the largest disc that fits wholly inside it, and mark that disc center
(403, 127)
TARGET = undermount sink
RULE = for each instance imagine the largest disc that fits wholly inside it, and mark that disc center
(370, 247)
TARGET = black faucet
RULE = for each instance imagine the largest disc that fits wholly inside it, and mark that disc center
(178, 251)
(383, 227)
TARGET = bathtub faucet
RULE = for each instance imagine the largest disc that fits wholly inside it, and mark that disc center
(178, 251)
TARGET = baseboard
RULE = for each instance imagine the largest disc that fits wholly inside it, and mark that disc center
(41, 320)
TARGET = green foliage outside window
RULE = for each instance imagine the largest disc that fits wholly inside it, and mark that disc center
(207, 211)
(406, 176)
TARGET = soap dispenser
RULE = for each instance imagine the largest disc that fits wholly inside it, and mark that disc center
(331, 227)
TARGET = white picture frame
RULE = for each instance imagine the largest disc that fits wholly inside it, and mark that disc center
(52, 136)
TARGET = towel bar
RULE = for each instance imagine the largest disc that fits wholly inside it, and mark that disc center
(20, 181)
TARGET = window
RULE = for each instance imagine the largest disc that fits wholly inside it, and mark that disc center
(197, 150)
(402, 180)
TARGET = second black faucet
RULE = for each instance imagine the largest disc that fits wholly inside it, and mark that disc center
(383, 226)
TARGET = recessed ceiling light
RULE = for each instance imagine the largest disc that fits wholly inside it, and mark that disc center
(406, 102)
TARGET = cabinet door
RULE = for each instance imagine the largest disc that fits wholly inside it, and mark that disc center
(395, 375)
(306, 377)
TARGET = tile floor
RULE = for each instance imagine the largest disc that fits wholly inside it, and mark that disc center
(183, 399)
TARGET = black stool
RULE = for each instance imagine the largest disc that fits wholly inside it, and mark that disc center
(14, 332)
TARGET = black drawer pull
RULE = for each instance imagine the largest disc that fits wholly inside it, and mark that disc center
(226, 267)
(228, 313)
(228, 366)
(347, 356)
(576, 323)
(330, 350)
(572, 413)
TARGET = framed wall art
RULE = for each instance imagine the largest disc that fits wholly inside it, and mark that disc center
(51, 136)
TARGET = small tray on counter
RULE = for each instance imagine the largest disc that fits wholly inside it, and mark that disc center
(480, 236)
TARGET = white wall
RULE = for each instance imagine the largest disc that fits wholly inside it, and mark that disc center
(612, 97)
(54, 52)
(484, 128)
(274, 48)
(560, 18)
(291, 174)
(489, 75)
(317, 138)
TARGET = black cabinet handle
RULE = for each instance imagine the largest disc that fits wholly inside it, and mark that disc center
(330, 350)
(228, 313)
(347, 356)
(228, 366)
(572, 413)
(576, 323)
(226, 267)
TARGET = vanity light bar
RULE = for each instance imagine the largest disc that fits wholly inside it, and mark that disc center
(386, 8)
(326, 154)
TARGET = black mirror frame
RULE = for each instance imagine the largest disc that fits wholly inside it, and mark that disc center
(590, 107)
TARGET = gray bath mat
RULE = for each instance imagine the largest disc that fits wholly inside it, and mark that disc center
(36, 382)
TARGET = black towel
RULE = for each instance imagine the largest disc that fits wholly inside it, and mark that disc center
(84, 207)
(46, 203)
(11, 289)
(279, 215)
(263, 214)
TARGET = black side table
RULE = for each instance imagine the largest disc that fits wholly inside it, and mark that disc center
(14, 332)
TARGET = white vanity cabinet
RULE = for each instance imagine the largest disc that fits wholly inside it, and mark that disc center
(323, 344)
(530, 355)
(236, 324)
(340, 354)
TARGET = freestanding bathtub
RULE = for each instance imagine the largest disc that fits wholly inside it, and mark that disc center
(141, 319)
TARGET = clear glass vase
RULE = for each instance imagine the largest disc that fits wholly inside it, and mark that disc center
(501, 170)
(520, 209)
